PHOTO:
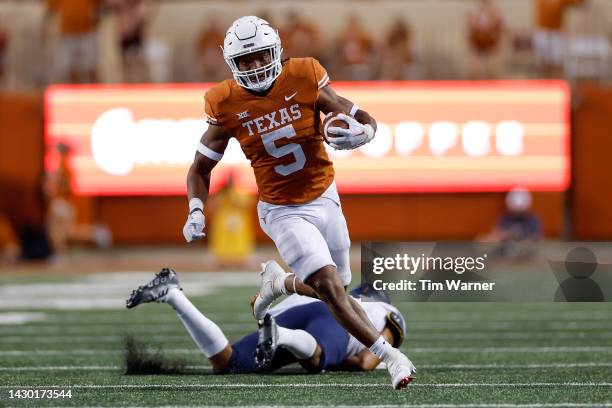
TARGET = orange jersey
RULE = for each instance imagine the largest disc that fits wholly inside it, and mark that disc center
(550, 13)
(75, 16)
(280, 133)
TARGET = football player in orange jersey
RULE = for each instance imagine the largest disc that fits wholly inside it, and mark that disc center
(272, 107)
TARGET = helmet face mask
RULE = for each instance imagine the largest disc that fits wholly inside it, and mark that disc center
(252, 35)
(396, 323)
(261, 78)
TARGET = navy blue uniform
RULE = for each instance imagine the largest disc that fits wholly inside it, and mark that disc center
(314, 318)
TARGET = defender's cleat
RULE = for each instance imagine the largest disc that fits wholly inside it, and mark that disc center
(401, 369)
(272, 287)
(156, 290)
(267, 344)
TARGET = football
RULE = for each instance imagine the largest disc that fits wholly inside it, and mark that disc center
(333, 121)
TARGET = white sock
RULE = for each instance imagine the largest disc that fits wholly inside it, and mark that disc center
(299, 342)
(207, 335)
(382, 349)
(283, 287)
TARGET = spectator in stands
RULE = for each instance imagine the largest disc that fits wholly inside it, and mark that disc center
(548, 37)
(398, 54)
(300, 38)
(265, 14)
(62, 226)
(355, 52)
(209, 54)
(132, 19)
(76, 59)
(518, 229)
(485, 26)
(3, 50)
(9, 245)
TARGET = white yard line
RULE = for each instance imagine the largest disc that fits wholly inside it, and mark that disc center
(423, 367)
(536, 405)
(91, 338)
(311, 385)
(564, 349)
(510, 335)
(106, 317)
(511, 366)
(152, 327)
(60, 368)
(511, 324)
(16, 318)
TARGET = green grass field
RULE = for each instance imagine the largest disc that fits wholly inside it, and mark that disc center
(467, 354)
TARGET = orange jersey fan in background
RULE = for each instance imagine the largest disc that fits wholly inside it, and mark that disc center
(281, 133)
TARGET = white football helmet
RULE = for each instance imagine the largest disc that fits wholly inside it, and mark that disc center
(247, 35)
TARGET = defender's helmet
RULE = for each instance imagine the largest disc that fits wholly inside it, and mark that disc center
(397, 324)
(247, 35)
(394, 320)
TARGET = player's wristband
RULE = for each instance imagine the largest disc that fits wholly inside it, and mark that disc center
(195, 204)
(354, 110)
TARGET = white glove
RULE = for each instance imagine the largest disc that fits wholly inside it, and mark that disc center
(347, 139)
(194, 227)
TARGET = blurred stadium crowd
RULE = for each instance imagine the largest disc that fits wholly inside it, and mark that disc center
(83, 41)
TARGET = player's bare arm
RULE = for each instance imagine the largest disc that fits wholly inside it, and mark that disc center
(362, 361)
(209, 152)
(198, 177)
(361, 127)
(330, 101)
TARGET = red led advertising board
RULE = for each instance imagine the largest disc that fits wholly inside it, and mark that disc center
(432, 137)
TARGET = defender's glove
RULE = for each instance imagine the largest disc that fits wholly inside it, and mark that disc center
(194, 227)
(347, 139)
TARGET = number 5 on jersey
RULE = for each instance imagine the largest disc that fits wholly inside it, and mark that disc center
(292, 148)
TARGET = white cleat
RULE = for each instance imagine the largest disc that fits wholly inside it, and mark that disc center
(401, 369)
(272, 287)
